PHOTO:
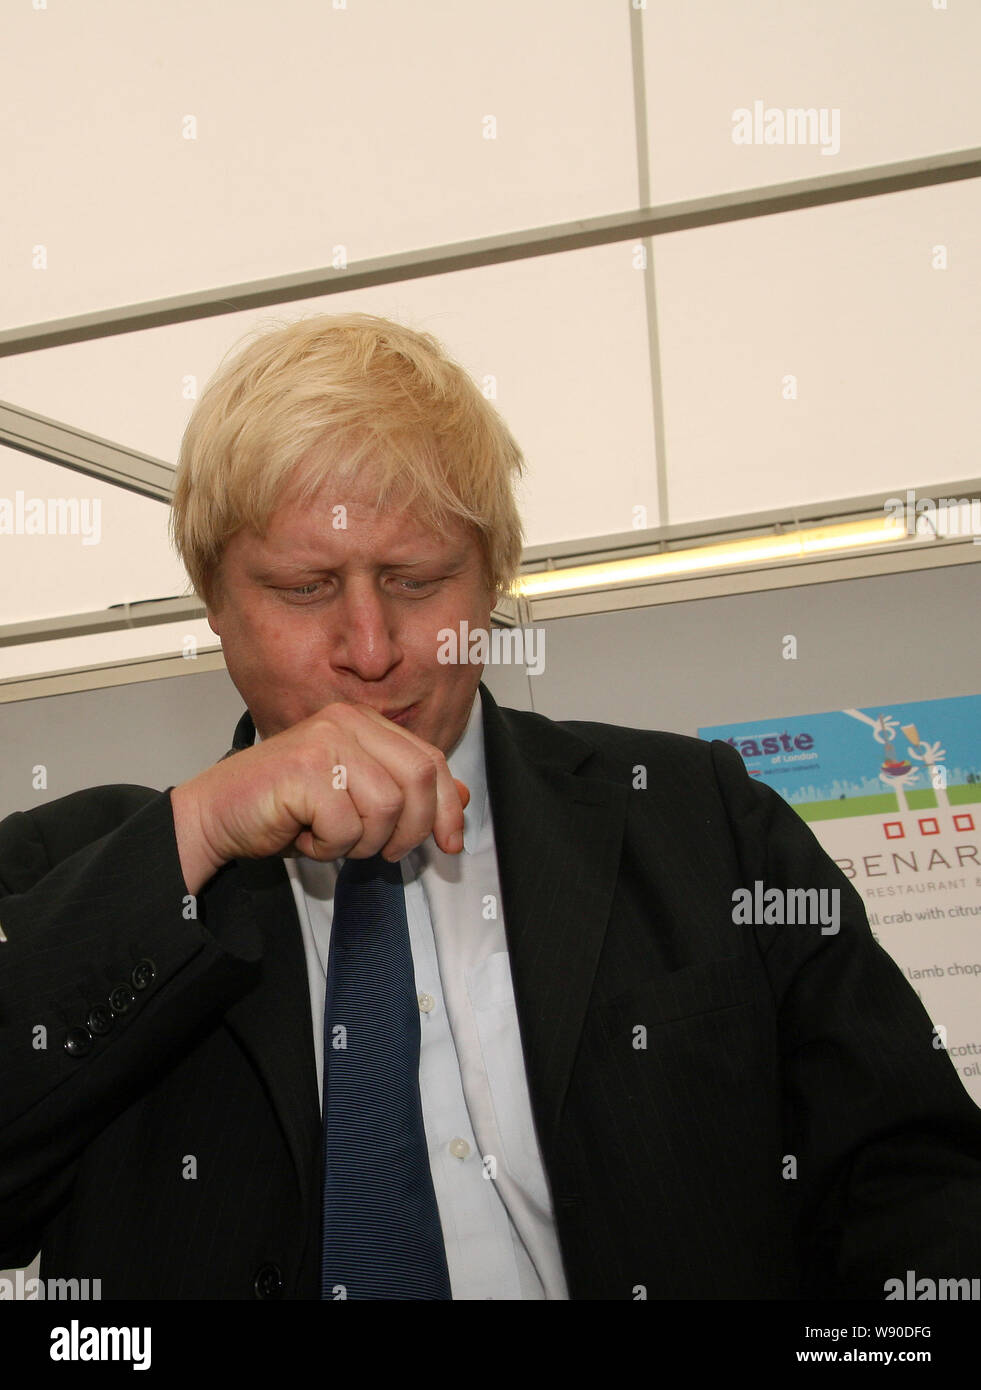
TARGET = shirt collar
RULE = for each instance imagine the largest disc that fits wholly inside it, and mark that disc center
(466, 762)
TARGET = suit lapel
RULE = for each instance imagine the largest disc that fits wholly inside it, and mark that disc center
(558, 838)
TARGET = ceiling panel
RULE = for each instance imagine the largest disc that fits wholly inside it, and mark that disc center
(882, 348)
(314, 126)
(900, 74)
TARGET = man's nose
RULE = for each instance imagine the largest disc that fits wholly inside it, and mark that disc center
(362, 630)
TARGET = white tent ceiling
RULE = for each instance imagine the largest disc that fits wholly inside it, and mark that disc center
(161, 150)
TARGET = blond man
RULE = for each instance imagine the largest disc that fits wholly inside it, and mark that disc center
(622, 1090)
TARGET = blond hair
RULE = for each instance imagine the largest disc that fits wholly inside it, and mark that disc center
(386, 401)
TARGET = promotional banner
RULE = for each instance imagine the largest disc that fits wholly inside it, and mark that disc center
(893, 793)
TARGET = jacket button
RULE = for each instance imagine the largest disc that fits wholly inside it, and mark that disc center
(143, 974)
(268, 1282)
(77, 1042)
(120, 999)
(99, 1020)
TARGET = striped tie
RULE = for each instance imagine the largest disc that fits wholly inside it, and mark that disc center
(381, 1231)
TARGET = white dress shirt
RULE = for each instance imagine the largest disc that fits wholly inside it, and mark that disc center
(490, 1184)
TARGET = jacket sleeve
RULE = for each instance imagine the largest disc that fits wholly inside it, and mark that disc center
(108, 973)
(886, 1139)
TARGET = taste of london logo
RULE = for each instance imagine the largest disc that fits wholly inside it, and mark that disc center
(779, 748)
(913, 771)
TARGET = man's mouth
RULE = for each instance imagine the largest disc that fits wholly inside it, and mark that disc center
(400, 716)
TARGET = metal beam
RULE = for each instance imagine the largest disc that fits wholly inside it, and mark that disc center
(85, 453)
(641, 125)
(117, 618)
(495, 250)
(143, 668)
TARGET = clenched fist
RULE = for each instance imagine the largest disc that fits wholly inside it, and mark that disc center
(281, 796)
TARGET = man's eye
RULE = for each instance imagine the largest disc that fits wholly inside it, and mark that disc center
(299, 592)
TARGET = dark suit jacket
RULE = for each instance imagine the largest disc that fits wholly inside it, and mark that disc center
(789, 1129)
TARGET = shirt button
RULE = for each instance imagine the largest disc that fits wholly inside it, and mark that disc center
(459, 1148)
(427, 1003)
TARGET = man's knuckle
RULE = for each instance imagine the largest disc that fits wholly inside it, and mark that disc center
(422, 771)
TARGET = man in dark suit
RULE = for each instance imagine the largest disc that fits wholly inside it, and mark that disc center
(629, 1090)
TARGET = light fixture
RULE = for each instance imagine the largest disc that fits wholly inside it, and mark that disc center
(787, 545)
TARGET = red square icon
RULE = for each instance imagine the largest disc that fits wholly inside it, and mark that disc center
(928, 825)
(964, 821)
(894, 830)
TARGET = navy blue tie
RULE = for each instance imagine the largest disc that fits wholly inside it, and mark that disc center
(382, 1237)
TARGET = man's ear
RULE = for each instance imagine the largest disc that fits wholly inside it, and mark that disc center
(213, 623)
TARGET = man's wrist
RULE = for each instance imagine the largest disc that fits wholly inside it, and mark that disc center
(198, 862)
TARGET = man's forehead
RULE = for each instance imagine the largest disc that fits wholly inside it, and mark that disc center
(338, 529)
